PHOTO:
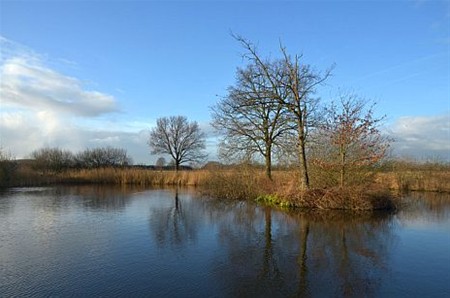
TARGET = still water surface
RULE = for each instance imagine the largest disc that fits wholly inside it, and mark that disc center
(104, 241)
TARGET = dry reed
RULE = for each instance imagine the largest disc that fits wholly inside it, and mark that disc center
(415, 180)
(136, 177)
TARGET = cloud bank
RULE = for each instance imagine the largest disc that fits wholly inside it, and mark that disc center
(43, 107)
(27, 83)
(422, 137)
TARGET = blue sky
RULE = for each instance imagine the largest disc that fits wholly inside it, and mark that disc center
(79, 74)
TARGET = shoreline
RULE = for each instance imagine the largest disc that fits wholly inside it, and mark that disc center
(379, 193)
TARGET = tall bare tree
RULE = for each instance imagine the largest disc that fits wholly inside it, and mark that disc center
(182, 140)
(250, 120)
(350, 137)
(293, 88)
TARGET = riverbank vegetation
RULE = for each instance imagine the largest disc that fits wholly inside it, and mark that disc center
(404, 175)
(377, 189)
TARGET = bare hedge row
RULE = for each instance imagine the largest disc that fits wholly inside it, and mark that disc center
(57, 160)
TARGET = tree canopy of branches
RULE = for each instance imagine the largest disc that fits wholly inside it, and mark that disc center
(182, 140)
(249, 118)
(292, 86)
(52, 159)
(57, 160)
(103, 157)
(350, 137)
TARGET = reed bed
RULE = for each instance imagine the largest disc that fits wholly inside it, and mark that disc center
(415, 180)
(249, 183)
(26, 176)
(141, 177)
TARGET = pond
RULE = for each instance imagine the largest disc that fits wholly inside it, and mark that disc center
(108, 241)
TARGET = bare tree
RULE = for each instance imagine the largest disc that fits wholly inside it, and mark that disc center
(182, 140)
(350, 137)
(160, 162)
(293, 88)
(249, 118)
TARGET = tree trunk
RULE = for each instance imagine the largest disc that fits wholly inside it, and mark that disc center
(177, 165)
(342, 170)
(268, 159)
(342, 176)
(304, 178)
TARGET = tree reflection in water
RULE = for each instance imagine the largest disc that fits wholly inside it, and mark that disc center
(325, 253)
(172, 224)
(252, 267)
(348, 252)
(104, 198)
(270, 272)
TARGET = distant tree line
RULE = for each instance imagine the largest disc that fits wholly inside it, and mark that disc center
(57, 159)
(8, 167)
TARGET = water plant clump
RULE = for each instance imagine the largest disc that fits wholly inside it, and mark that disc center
(274, 200)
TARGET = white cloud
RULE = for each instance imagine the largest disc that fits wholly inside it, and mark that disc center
(43, 107)
(422, 137)
(27, 83)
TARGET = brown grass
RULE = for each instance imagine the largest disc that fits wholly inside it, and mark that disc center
(244, 184)
(136, 177)
(25, 176)
(284, 191)
(351, 198)
(415, 180)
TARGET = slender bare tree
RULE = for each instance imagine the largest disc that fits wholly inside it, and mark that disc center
(250, 120)
(293, 88)
(182, 140)
(350, 137)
